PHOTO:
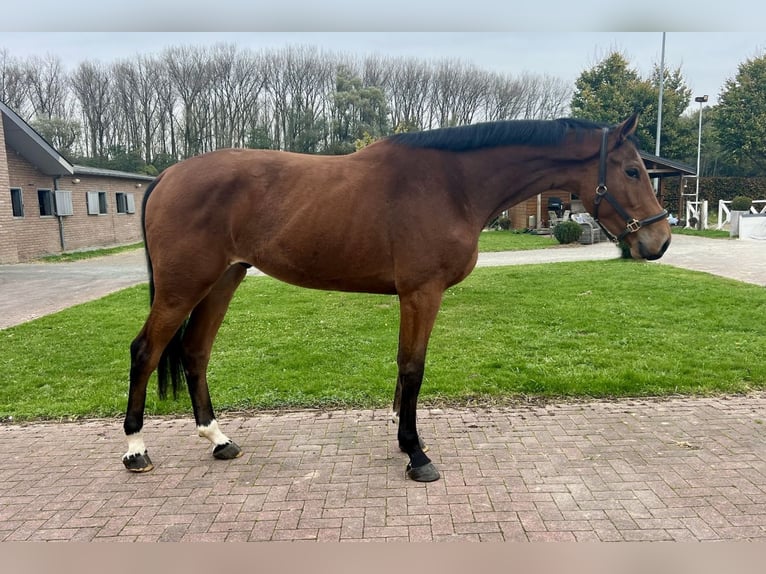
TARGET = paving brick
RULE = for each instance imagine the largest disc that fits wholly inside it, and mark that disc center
(603, 470)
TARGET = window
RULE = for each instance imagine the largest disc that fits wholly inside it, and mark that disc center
(45, 200)
(96, 202)
(122, 203)
(17, 202)
(126, 203)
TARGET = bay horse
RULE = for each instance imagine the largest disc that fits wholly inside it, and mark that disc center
(400, 217)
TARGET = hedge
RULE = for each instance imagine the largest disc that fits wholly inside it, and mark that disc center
(714, 189)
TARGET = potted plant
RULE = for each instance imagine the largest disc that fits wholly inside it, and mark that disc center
(739, 205)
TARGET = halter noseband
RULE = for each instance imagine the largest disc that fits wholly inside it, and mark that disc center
(632, 224)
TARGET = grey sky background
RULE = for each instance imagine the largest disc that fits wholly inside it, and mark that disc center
(706, 59)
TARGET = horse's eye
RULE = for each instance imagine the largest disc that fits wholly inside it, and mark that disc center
(633, 172)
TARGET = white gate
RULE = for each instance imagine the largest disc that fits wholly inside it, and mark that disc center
(724, 213)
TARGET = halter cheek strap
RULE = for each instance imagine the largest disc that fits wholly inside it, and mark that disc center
(602, 193)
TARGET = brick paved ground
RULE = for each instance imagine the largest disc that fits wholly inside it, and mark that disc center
(681, 469)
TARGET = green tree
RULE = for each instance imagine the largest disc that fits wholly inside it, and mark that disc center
(611, 91)
(740, 118)
(678, 136)
(357, 110)
(259, 138)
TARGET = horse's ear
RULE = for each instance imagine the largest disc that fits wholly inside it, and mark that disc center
(628, 127)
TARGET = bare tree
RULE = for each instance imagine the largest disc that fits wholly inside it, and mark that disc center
(504, 98)
(239, 79)
(167, 122)
(140, 102)
(91, 82)
(301, 81)
(444, 92)
(14, 89)
(473, 85)
(545, 97)
(47, 83)
(408, 86)
(189, 71)
(189, 100)
(376, 71)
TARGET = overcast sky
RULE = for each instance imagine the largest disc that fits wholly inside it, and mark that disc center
(707, 59)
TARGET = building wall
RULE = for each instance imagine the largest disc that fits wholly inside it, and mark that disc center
(519, 213)
(35, 235)
(82, 230)
(8, 251)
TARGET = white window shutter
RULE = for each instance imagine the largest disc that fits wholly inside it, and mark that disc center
(131, 202)
(64, 204)
(92, 202)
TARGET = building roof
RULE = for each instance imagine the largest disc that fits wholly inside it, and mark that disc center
(662, 167)
(87, 170)
(31, 145)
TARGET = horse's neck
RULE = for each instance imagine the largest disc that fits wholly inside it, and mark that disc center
(498, 178)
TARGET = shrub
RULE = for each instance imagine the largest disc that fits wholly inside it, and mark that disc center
(504, 223)
(741, 203)
(567, 232)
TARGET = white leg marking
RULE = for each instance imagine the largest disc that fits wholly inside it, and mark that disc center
(394, 417)
(213, 433)
(135, 445)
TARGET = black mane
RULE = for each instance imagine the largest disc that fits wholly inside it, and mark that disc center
(495, 134)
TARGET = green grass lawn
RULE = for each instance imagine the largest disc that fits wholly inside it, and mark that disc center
(586, 329)
(513, 241)
(710, 233)
(90, 253)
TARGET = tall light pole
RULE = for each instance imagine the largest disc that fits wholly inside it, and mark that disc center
(659, 110)
(701, 100)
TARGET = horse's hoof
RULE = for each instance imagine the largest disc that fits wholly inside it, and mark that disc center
(138, 462)
(227, 451)
(423, 446)
(425, 473)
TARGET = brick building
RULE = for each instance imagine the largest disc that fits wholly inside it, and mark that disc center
(48, 205)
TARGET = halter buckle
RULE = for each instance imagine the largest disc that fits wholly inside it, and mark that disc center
(633, 225)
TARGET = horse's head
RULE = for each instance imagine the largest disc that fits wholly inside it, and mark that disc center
(622, 199)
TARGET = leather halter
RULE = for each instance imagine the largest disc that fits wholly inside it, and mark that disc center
(631, 223)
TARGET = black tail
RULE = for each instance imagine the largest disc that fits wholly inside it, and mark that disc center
(170, 368)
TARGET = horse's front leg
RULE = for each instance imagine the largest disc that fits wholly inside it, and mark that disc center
(398, 407)
(418, 314)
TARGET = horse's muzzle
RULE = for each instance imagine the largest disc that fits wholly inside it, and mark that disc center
(653, 255)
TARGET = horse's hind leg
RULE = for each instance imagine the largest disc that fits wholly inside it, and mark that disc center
(145, 353)
(198, 340)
